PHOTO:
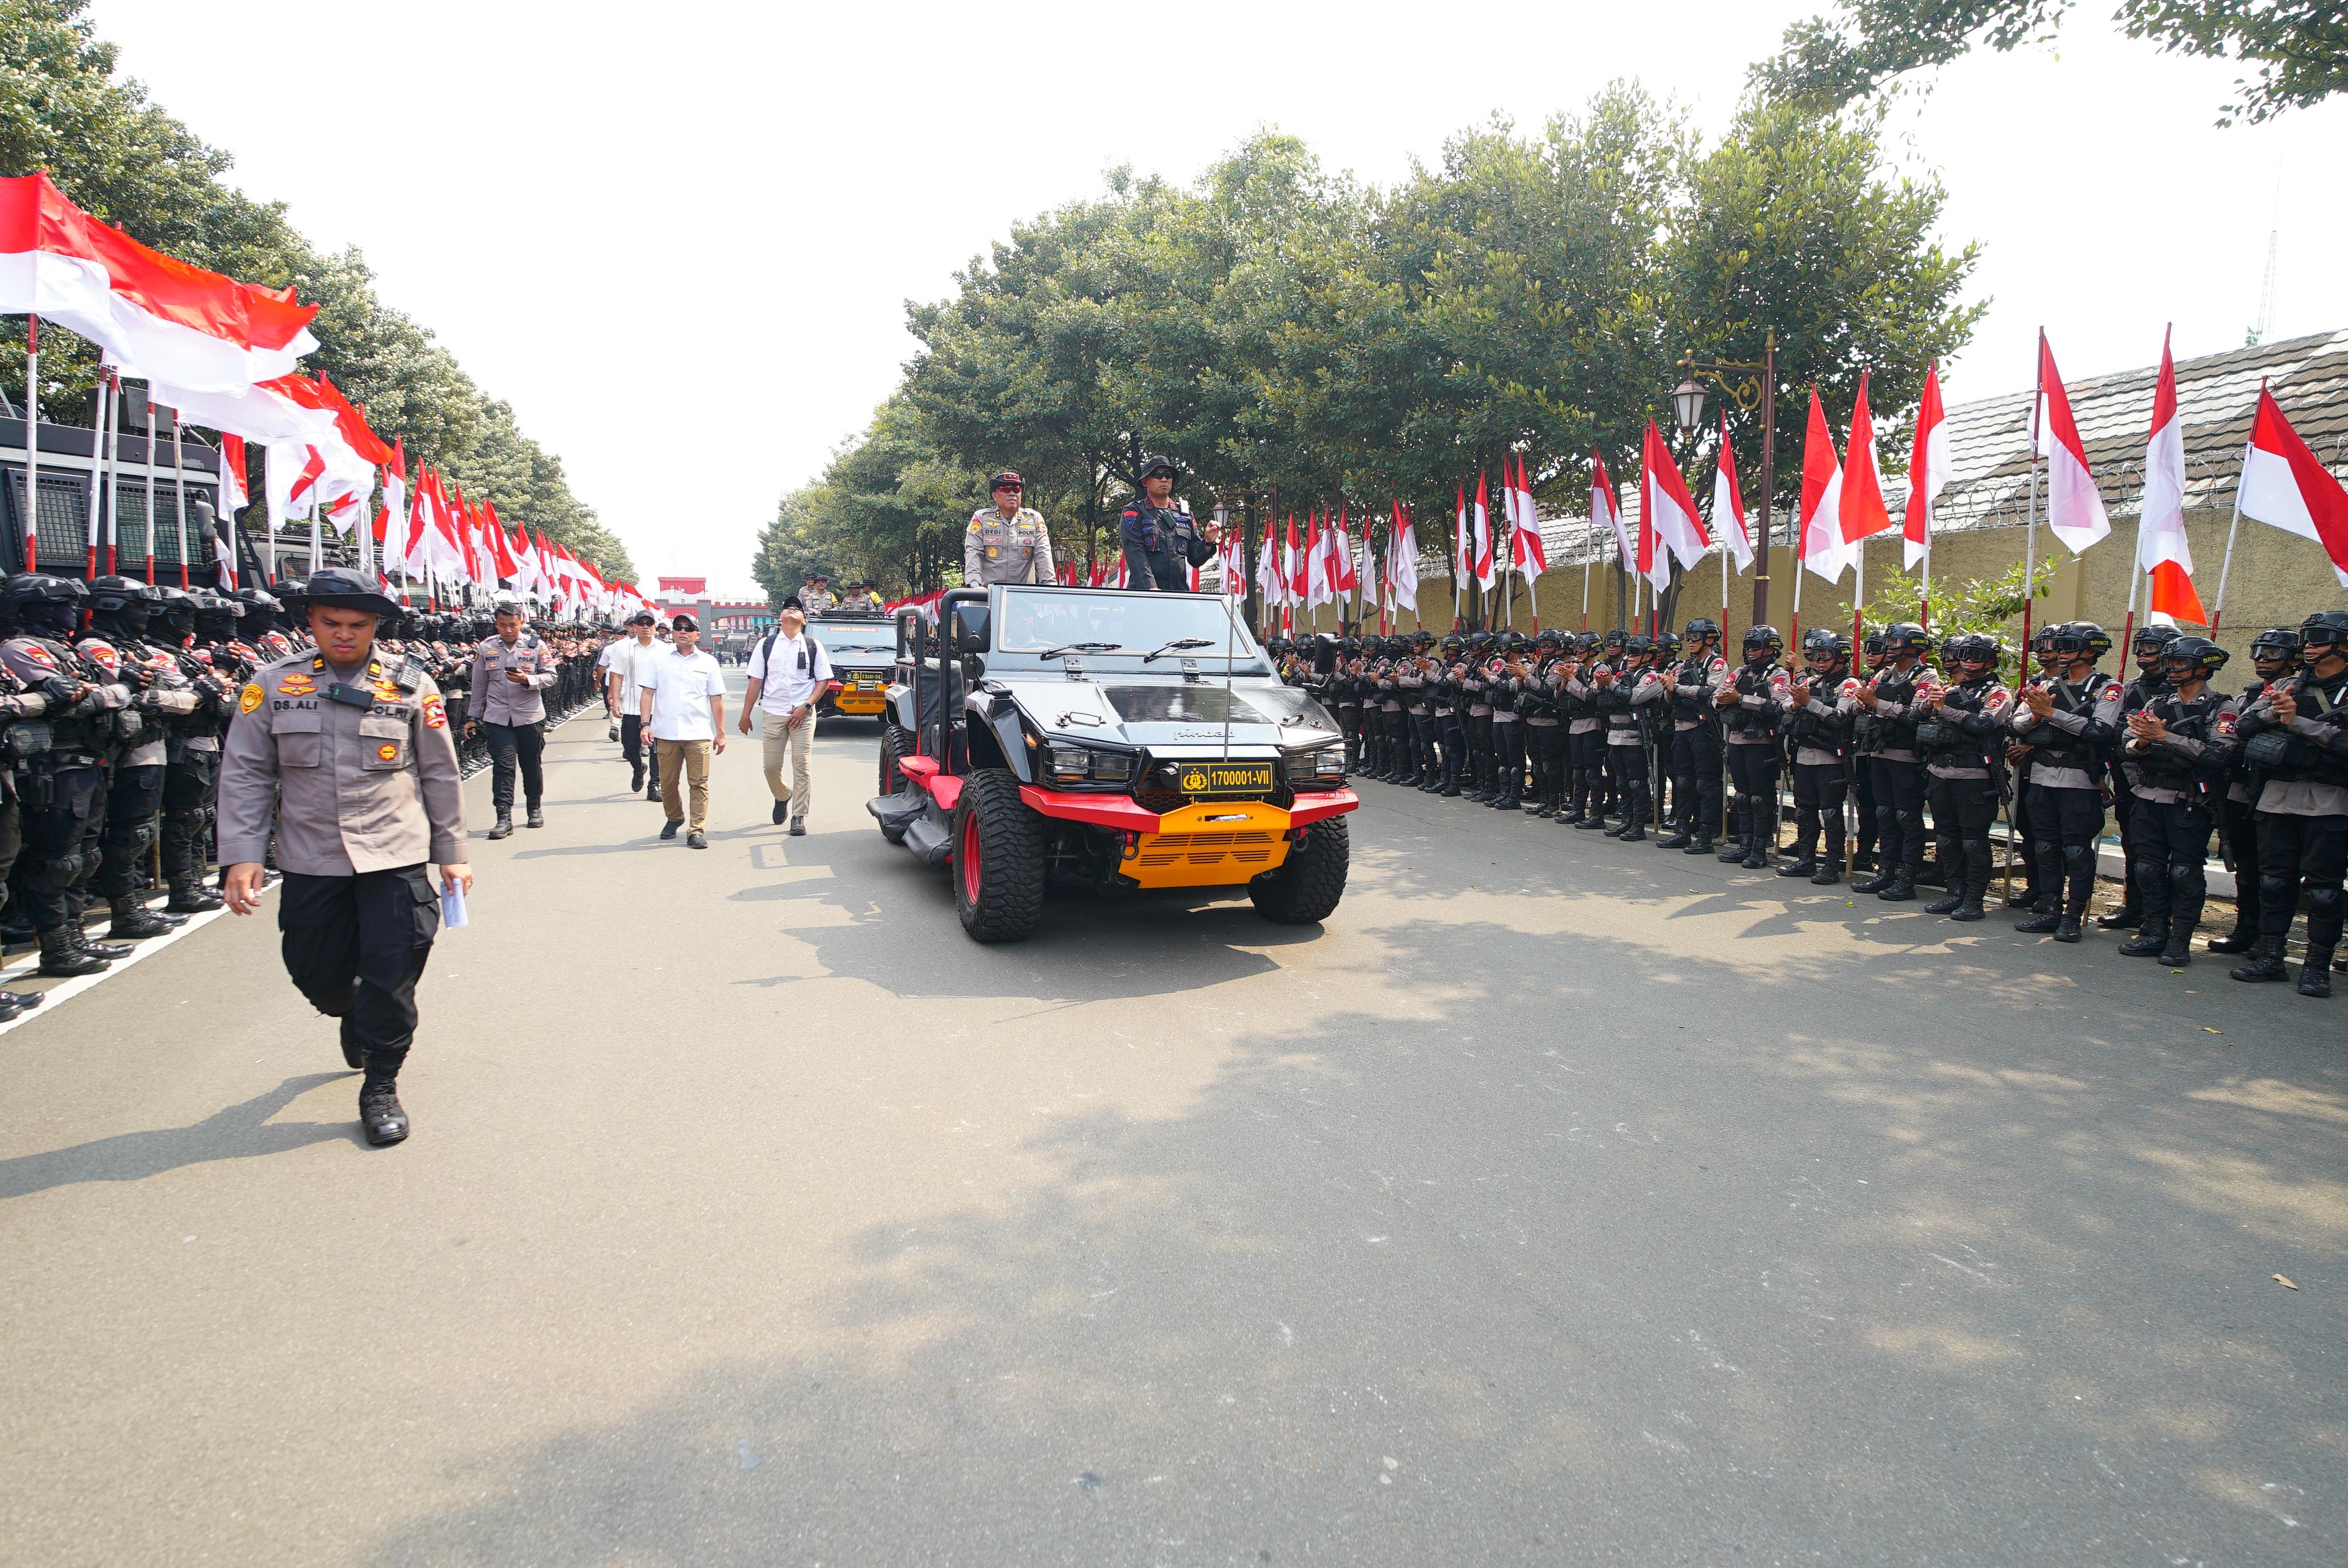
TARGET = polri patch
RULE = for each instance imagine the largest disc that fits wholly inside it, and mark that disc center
(250, 700)
(435, 713)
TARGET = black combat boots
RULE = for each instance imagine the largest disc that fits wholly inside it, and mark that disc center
(190, 896)
(134, 921)
(62, 958)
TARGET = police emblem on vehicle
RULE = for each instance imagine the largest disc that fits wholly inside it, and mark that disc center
(1224, 778)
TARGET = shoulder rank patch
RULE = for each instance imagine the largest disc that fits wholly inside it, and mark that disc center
(250, 698)
(435, 713)
(40, 656)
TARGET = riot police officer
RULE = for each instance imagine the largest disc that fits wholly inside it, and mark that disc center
(1162, 541)
(2147, 684)
(2296, 736)
(2175, 752)
(1961, 739)
(1894, 699)
(2070, 722)
(161, 693)
(1820, 708)
(1751, 707)
(2274, 653)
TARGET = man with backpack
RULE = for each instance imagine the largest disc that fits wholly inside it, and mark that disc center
(787, 670)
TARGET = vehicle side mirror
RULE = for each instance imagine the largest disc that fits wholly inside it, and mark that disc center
(970, 629)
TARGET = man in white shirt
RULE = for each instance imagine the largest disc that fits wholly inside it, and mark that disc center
(623, 689)
(684, 702)
(787, 671)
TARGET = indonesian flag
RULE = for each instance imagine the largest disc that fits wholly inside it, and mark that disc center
(1234, 565)
(1728, 502)
(2075, 506)
(1318, 589)
(290, 475)
(1402, 563)
(1605, 509)
(2160, 547)
(395, 485)
(1292, 560)
(233, 497)
(412, 558)
(1824, 549)
(2285, 484)
(1341, 557)
(1928, 470)
(1664, 498)
(1463, 564)
(444, 555)
(508, 567)
(1270, 585)
(1531, 558)
(154, 315)
(1481, 520)
(1860, 509)
(1120, 574)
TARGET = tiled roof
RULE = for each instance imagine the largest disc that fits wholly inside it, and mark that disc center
(1988, 441)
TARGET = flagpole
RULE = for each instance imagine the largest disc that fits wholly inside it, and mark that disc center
(180, 497)
(1924, 603)
(2232, 529)
(150, 483)
(1858, 595)
(1801, 569)
(317, 542)
(2030, 537)
(32, 444)
(95, 511)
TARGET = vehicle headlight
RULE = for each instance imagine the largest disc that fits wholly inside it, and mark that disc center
(1070, 764)
(1321, 765)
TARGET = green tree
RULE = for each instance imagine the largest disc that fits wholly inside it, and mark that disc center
(2300, 47)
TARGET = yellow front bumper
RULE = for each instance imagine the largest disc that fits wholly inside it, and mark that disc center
(860, 700)
(1209, 844)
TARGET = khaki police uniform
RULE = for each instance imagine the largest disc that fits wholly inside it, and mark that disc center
(358, 772)
(998, 549)
(816, 600)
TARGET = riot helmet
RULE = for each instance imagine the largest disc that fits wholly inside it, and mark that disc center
(2183, 659)
(43, 605)
(1762, 642)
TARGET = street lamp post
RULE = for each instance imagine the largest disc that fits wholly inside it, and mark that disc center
(1749, 386)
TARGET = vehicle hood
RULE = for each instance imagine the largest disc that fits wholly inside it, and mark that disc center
(1175, 717)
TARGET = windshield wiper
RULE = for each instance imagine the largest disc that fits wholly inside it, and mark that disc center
(1179, 644)
(1079, 648)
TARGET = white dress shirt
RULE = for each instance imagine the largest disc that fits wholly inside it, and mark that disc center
(682, 685)
(799, 667)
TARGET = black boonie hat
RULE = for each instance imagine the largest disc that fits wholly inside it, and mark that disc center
(340, 590)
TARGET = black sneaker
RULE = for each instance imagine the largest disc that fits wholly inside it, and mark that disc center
(798, 827)
(782, 809)
(696, 840)
(668, 829)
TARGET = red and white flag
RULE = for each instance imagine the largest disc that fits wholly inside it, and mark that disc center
(2160, 547)
(1402, 563)
(1605, 507)
(1824, 550)
(2286, 485)
(2075, 506)
(154, 315)
(394, 483)
(1234, 564)
(1728, 502)
(233, 497)
(1927, 471)
(1525, 550)
(1341, 575)
(1860, 509)
(1463, 540)
(1664, 498)
(1291, 560)
(1271, 587)
(1318, 588)
(1480, 524)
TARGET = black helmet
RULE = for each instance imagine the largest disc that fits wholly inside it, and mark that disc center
(1637, 647)
(114, 595)
(2042, 641)
(1667, 642)
(1551, 637)
(1157, 466)
(1511, 640)
(1824, 640)
(1906, 637)
(2078, 637)
(208, 605)
(2151, 638)
(2277, 644)
(1971, 648)
(1453, 643)
(1480, 641)
(1764, 638)
(2324, 629)
(43, 604)
(1702, 627)
(1875, 644)
(2181, 658)
(1617, 638)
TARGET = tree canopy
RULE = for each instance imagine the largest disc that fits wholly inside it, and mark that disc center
(1295, 338)
(123, 159)
(2299, 48)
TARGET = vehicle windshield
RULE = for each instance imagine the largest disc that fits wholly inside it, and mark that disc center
(857, 639)
(1035, 621)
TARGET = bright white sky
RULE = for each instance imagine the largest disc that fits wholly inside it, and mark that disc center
(729, 204)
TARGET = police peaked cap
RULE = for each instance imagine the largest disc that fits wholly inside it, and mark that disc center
(337, 589)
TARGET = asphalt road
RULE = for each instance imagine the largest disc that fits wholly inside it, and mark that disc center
(1559, 1202)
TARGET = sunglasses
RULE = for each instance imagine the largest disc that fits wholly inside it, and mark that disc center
(1013, 487)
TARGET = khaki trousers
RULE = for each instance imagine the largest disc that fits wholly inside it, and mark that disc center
(690, 757)
(779, 739)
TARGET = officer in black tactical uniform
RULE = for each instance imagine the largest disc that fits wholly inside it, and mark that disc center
(1872, 654)
(1820, 708)
(161, 697)
(23, 732)
(1505, 686)
(1693, 756)
(1626, 690)
(1162, 541)
(2296, 737)
(1894, 699)
(1447, 696)
(2070, 724)
(1961, 739)
(2147, 684)
(1751, 707)
(2177, 751)
(62, 785)
(1539, 706)
(2274, 653)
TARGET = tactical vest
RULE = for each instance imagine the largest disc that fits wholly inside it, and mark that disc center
(2165, 766)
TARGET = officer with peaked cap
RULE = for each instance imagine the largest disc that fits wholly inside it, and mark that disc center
(349, 750)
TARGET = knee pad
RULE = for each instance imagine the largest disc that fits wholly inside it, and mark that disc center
(2325, 903)
(2079, 859)
(63, 871)
(2284, 890)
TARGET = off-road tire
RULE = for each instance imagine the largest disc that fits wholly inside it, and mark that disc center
(1306, 887)
(894, 743)
(999, 893)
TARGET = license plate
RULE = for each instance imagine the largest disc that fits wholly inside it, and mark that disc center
(1224, 778)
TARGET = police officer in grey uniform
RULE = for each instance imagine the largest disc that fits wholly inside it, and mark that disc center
(358, 745)
(1006, 542)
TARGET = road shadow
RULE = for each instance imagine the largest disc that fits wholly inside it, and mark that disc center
(1495, 1291)
(240, 1132)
